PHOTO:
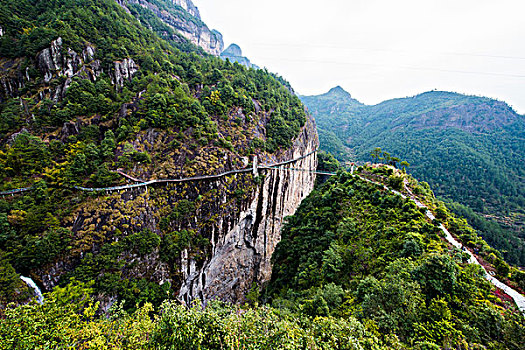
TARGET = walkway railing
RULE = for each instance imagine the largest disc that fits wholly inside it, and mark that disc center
(157, 181)
(15, 191)
(516, 296)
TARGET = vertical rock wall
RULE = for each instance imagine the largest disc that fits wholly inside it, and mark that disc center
(241, 254)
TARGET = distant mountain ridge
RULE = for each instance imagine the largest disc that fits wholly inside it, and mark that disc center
(234, 54)
(469, 148)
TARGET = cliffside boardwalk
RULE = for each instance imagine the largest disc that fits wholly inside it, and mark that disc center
(141, 183)
(516, 296)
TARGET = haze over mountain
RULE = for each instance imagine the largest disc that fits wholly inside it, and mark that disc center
(470, 149)
(381, 49)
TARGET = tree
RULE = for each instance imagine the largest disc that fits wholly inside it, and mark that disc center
(376, 153)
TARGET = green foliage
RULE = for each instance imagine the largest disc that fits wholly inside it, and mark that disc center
(58, 132)
(112, 272)
(27, 154)
(357, 268)
(222, 326)
(173, 243)
(353, 248)
(438, 133)
(437, 275)
(48, 247)
(11, 286)
(67, 320)
(327, 162)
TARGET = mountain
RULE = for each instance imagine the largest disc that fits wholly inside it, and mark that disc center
(356, 248)
(144, 187)
(126, 156)
(234, 54)
(468, 148)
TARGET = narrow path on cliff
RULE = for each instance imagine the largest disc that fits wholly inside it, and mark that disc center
(141, 183)
(516, 296)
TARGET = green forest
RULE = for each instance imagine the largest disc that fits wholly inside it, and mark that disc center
(90, 90)
(469, 149)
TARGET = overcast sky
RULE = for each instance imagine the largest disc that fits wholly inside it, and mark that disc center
(382, 49)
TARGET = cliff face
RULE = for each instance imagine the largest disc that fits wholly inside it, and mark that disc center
(183, 16)
(241, 253)
(242, 229)
(188, 6)
(57, 61)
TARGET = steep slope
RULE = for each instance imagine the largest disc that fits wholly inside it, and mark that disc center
(360, 266)
(355, 248)
(90, 98)
(470, 149)
(175, 20)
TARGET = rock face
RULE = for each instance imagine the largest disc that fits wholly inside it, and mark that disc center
(188, 6)
(241, 253)
(234, 54)
(242, 231)
(124, 71)
(185, 18)
(57, 61)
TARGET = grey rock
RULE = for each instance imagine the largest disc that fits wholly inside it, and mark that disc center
(242, 253)
(234, 54)
(124, 71)
(189, 7)
(88, 54)
(56, 61)
(13, 137)
(50, 59)
(69, 129)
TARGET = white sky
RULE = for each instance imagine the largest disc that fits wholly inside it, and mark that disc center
(382, 49)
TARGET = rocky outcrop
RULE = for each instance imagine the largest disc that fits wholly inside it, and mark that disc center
(188, 6)
(57, 61)
(239, 215)
(124, 71)
(234, 54)
(50, 59)
(185, 18)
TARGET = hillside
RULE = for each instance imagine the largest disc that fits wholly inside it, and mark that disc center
(356, 248)
(469, 149)
(176, 21)
(358, 267)
(93, 101)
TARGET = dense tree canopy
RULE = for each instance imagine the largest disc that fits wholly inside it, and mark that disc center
(468, 148)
